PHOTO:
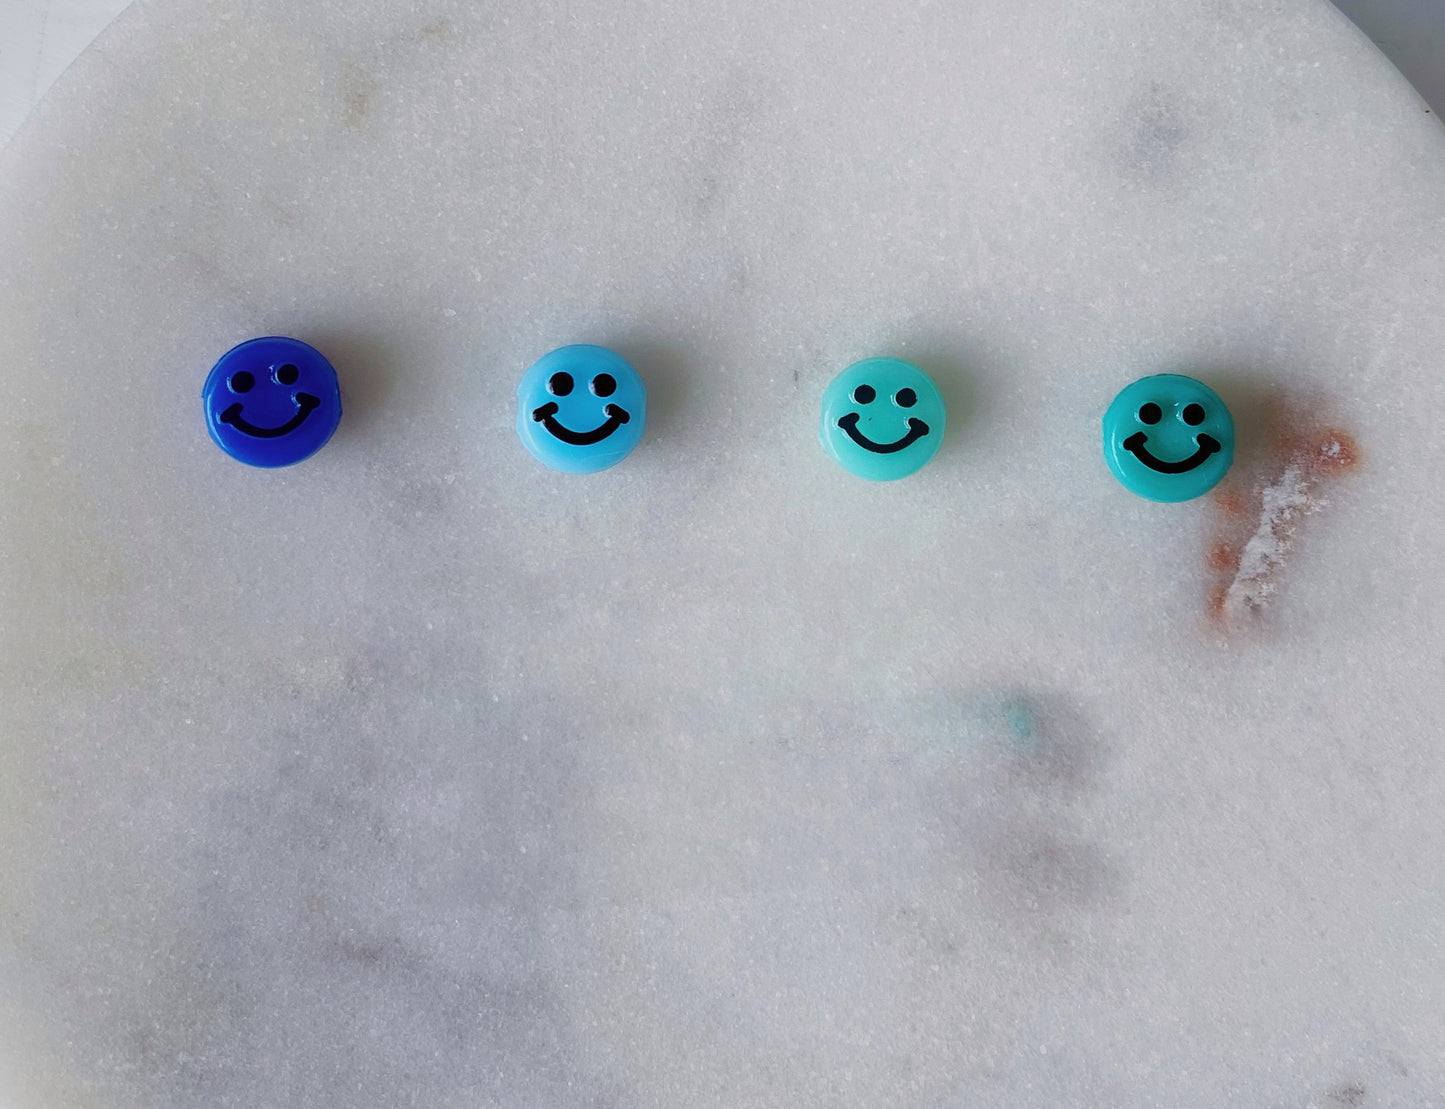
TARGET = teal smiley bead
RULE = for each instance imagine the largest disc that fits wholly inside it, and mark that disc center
(1168, 438)
(883, 419)
(581, 409)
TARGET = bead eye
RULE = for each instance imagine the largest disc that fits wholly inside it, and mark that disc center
(905, 398)
(604, 385)
(1193, 414)
(287, 374)
(864, 394)
(560, 383)
(1150, 413)
(241, 382)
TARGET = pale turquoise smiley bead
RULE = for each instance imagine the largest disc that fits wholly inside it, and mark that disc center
(883, 419)
(1168, 438)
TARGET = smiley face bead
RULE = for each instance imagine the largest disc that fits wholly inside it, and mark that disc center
(271, 402)
(581, 409)
(1168, 438)
(883, 419)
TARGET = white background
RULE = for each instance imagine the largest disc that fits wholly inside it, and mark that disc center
(39, 38)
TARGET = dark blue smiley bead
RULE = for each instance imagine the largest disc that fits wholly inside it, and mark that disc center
(272, 401)
(581, 409)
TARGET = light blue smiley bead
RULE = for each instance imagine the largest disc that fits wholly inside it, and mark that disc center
(581, 409)
(882, 419)
(1168, 438)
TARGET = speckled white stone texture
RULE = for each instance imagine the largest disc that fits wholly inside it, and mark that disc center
(421, 775)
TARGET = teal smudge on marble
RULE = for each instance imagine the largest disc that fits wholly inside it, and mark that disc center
(1020, 719)
(952, 726)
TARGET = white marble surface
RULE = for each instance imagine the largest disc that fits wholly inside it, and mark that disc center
(38, 39)
(418, 775)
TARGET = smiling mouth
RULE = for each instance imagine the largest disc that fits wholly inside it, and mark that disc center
(917, 429)
(305, 402)
(616, 417)
(1208, 444)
